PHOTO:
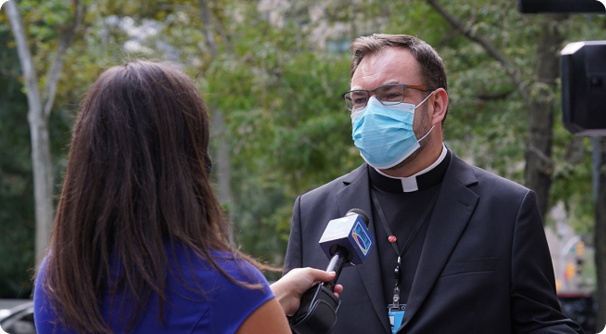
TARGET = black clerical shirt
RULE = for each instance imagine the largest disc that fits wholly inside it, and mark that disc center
(403, 210)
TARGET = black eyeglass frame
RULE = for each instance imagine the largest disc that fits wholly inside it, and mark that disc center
(422, 88)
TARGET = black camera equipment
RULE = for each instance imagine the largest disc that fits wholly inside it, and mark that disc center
(560, 6)
(583, 69)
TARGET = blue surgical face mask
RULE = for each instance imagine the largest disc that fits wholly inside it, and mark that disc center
(384, 134)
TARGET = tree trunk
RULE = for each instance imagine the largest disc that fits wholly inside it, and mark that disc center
(38, 124)
(209, 33)
(540, 108)
(219, 129)
(43, 179)
(222, 159)
(600, 240)
(38, 115)
(539, 165)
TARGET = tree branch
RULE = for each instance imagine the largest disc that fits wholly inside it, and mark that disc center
(575, 152)
(220, 29)
(54, 71)
(207, 29)
(511, 70)
(495, 96)
(542, 156)
(25, 57)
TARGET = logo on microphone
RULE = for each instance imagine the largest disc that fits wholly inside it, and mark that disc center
(361, 238)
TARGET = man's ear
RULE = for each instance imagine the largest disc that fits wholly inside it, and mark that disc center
(440, 105)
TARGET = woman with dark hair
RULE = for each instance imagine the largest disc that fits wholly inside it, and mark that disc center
(140, 243)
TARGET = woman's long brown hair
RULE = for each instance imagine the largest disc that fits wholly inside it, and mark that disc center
(137, 180)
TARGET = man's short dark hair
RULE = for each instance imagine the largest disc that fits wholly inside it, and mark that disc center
(432, 67)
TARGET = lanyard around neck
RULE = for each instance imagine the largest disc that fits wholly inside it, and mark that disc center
(395, 306)
(391, 237)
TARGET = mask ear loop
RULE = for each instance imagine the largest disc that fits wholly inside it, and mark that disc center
(430, 94)
(418, 105)
(426, 134)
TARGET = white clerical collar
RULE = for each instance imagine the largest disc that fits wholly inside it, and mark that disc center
(409, 183)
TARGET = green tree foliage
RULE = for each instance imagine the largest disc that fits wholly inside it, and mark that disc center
(278, 88)
(17, 223)
(16, 197)
(289, 129)
(487, 120)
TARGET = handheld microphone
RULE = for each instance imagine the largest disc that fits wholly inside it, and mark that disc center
(346, 241)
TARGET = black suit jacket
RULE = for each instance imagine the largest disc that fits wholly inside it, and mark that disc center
(485, 265)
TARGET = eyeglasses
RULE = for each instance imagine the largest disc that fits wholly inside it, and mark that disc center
(388, 95)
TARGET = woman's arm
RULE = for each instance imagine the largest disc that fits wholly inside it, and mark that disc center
(270, 317)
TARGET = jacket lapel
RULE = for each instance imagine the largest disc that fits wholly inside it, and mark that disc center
(454, 207)
(356, 194)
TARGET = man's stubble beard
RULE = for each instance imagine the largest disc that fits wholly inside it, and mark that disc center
(425, 126)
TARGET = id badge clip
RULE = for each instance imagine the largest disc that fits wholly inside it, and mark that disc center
(396, 315)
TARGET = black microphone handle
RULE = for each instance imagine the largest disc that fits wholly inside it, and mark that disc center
(337, 261)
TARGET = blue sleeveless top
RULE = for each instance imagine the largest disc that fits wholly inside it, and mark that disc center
(221, 309)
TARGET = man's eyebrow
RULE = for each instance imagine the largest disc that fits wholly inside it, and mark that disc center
(390, 82)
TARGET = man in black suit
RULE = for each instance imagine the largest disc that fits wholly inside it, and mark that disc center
(458, 249)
